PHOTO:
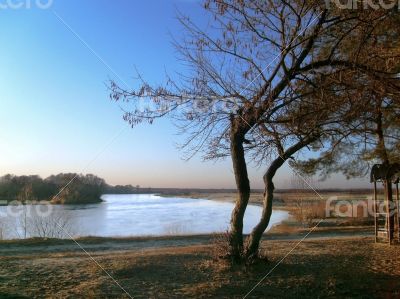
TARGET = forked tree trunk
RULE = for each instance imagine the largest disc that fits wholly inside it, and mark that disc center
(243, 187)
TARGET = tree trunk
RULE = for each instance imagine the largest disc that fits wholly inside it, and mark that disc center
(381, 146)
(390, 209)
(254, 238)
(243, 187)
(253, 241)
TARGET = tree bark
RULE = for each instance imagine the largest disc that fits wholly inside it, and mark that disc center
(243, 187)
(254, 238)
(382, 152)
(253, 241)
(390, 209)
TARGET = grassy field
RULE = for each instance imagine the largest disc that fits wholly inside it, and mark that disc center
(306, 207)
(280, 196)
(353, 267)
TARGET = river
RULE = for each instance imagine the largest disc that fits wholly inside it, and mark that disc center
(126, 215)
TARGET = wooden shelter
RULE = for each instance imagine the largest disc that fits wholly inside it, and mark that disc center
(386, 210)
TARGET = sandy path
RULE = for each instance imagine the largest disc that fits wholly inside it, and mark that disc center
(33, 247)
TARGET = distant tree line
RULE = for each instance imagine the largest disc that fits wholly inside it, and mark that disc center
(63, 188)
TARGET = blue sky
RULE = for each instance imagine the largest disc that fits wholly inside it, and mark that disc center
(55, 114)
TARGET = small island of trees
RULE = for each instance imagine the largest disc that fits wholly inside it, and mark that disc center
(63, 188)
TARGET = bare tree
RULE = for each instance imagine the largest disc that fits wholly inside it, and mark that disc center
(25, 197)
(54, 225)
(252, 88)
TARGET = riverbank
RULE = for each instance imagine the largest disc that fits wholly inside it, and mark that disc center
(319, 267)
(306, 208)
(282, 198)
(255, 198)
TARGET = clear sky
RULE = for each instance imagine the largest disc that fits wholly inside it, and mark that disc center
(55, 114)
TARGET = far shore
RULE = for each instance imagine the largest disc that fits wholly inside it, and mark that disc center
(306, 207)
(257, 196)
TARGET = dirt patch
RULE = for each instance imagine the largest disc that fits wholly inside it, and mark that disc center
(335, 268)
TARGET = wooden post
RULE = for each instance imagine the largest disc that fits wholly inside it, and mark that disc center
(397, 210)
(389, 206)
(375, 212)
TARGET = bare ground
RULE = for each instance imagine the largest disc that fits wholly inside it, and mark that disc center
(346, 267)
(338, 260)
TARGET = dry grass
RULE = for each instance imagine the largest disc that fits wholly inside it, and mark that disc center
(220, 249)
(335, 268)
